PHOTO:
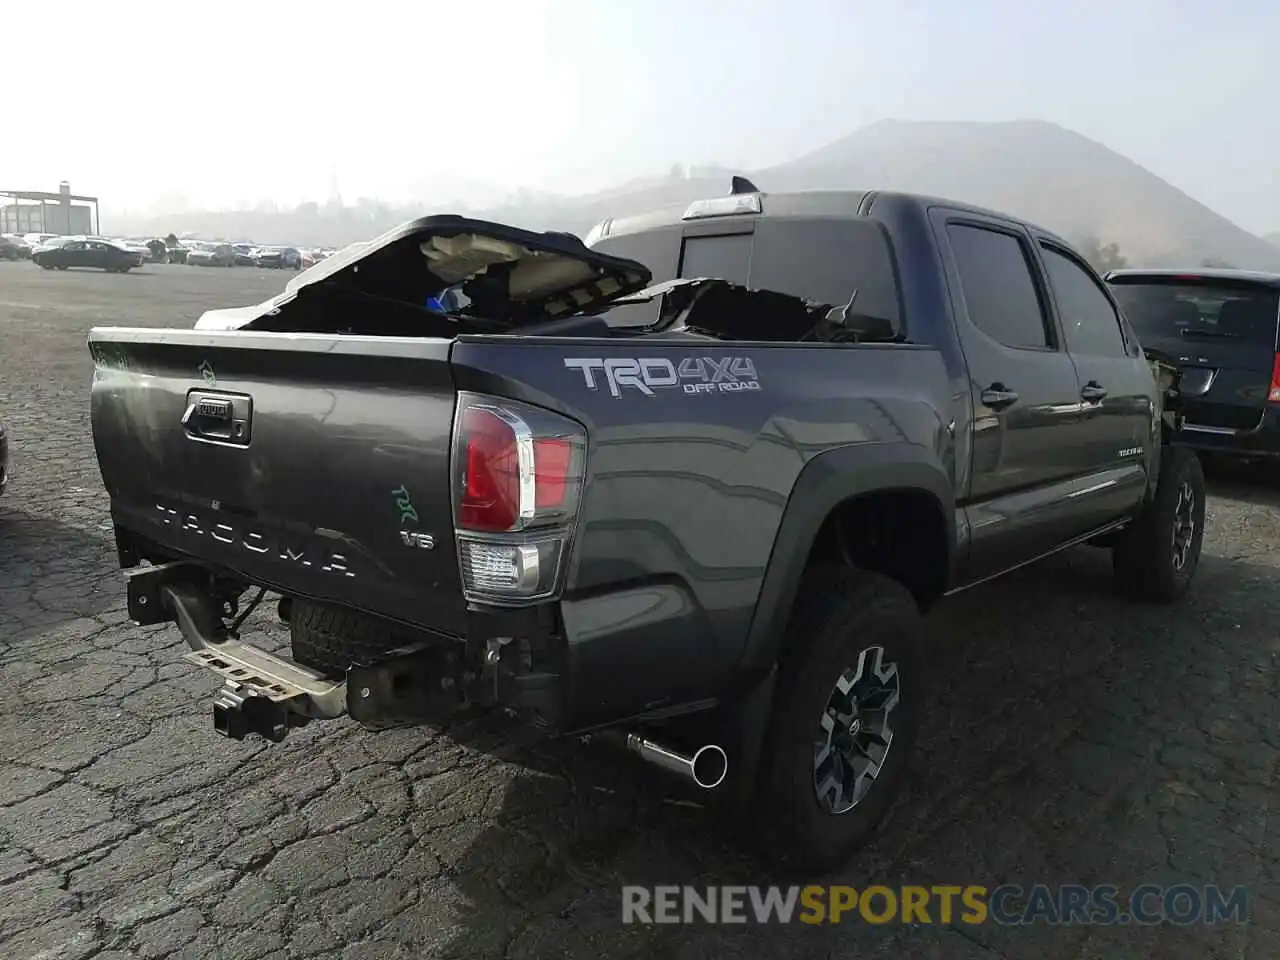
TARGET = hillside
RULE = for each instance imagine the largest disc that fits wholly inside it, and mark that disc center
(1048, 174)
(1038, 170)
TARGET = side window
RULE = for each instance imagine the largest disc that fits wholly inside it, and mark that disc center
(998, 288)
(1090, 324)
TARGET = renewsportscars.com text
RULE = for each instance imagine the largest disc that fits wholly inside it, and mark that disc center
(1008, 904)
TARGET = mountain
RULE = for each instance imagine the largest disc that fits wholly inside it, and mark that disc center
(1043, 172)
(1038, 170)
(1272, 238)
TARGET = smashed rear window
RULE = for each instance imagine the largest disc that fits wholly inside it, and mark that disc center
(822, 260)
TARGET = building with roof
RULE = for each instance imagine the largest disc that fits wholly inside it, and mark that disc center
(36, 211)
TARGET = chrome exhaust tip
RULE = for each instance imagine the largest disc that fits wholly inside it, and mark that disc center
(707, 768)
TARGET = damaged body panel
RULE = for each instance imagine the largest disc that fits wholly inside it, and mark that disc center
(506, 276)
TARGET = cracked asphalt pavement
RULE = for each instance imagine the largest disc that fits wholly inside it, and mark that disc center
(1073, 738)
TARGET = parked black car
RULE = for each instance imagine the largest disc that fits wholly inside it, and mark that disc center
(703, 516)
(98, 254)
(280, 258)
(4, 457)
(14, 248)
(1220, 328)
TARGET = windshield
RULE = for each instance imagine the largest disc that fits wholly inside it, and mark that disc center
(1199, 309)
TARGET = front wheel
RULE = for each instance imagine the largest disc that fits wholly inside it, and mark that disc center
(1156, 556)
(851, 688)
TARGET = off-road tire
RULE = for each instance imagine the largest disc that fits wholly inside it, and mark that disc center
(330, 639)
(839, 613)
(1143, 559)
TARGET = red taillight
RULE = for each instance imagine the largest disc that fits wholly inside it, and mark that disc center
(1274, 393)
(490, 498)
(518, 475)
(552, 463)
(497, 491)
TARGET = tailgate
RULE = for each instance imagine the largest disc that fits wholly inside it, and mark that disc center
(313, 465)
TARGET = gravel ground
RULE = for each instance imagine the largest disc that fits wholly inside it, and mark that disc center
(1075, 739)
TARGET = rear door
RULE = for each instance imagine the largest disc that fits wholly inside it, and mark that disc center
(1116, 388)
(1221, 332)
(98, 255)
(74, 254)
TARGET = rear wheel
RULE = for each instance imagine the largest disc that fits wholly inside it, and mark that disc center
(1156, 556)
(845, 719)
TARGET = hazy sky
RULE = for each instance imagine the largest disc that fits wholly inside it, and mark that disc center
(229, 102)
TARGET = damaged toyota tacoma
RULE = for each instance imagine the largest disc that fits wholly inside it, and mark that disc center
(689, 485)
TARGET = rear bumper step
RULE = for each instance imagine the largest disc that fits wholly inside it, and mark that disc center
(269, 695)
(261, 693)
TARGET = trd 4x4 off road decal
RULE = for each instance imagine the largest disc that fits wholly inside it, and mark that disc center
(694, 375)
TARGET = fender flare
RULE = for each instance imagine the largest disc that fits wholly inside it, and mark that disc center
(825, 482)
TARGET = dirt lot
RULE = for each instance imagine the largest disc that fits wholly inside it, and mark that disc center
(1076, 739)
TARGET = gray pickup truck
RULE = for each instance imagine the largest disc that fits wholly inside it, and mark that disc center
(690, 485)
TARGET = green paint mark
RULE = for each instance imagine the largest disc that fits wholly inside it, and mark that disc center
(206, 373)
(408, 515)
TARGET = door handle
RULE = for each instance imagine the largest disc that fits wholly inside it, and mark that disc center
(1093, 392)
(997, 396)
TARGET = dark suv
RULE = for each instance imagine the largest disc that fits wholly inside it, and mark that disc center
(12, 248)
(1219, 327)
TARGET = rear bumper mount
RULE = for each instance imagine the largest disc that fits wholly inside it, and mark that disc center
(261, 693)
(269, 695)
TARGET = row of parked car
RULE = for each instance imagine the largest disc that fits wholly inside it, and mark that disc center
(216, 254)
(114, 254)
(219, 253)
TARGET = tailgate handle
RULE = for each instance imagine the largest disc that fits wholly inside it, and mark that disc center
(215, 417)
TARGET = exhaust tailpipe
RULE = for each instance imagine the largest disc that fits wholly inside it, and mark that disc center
(707, 767)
